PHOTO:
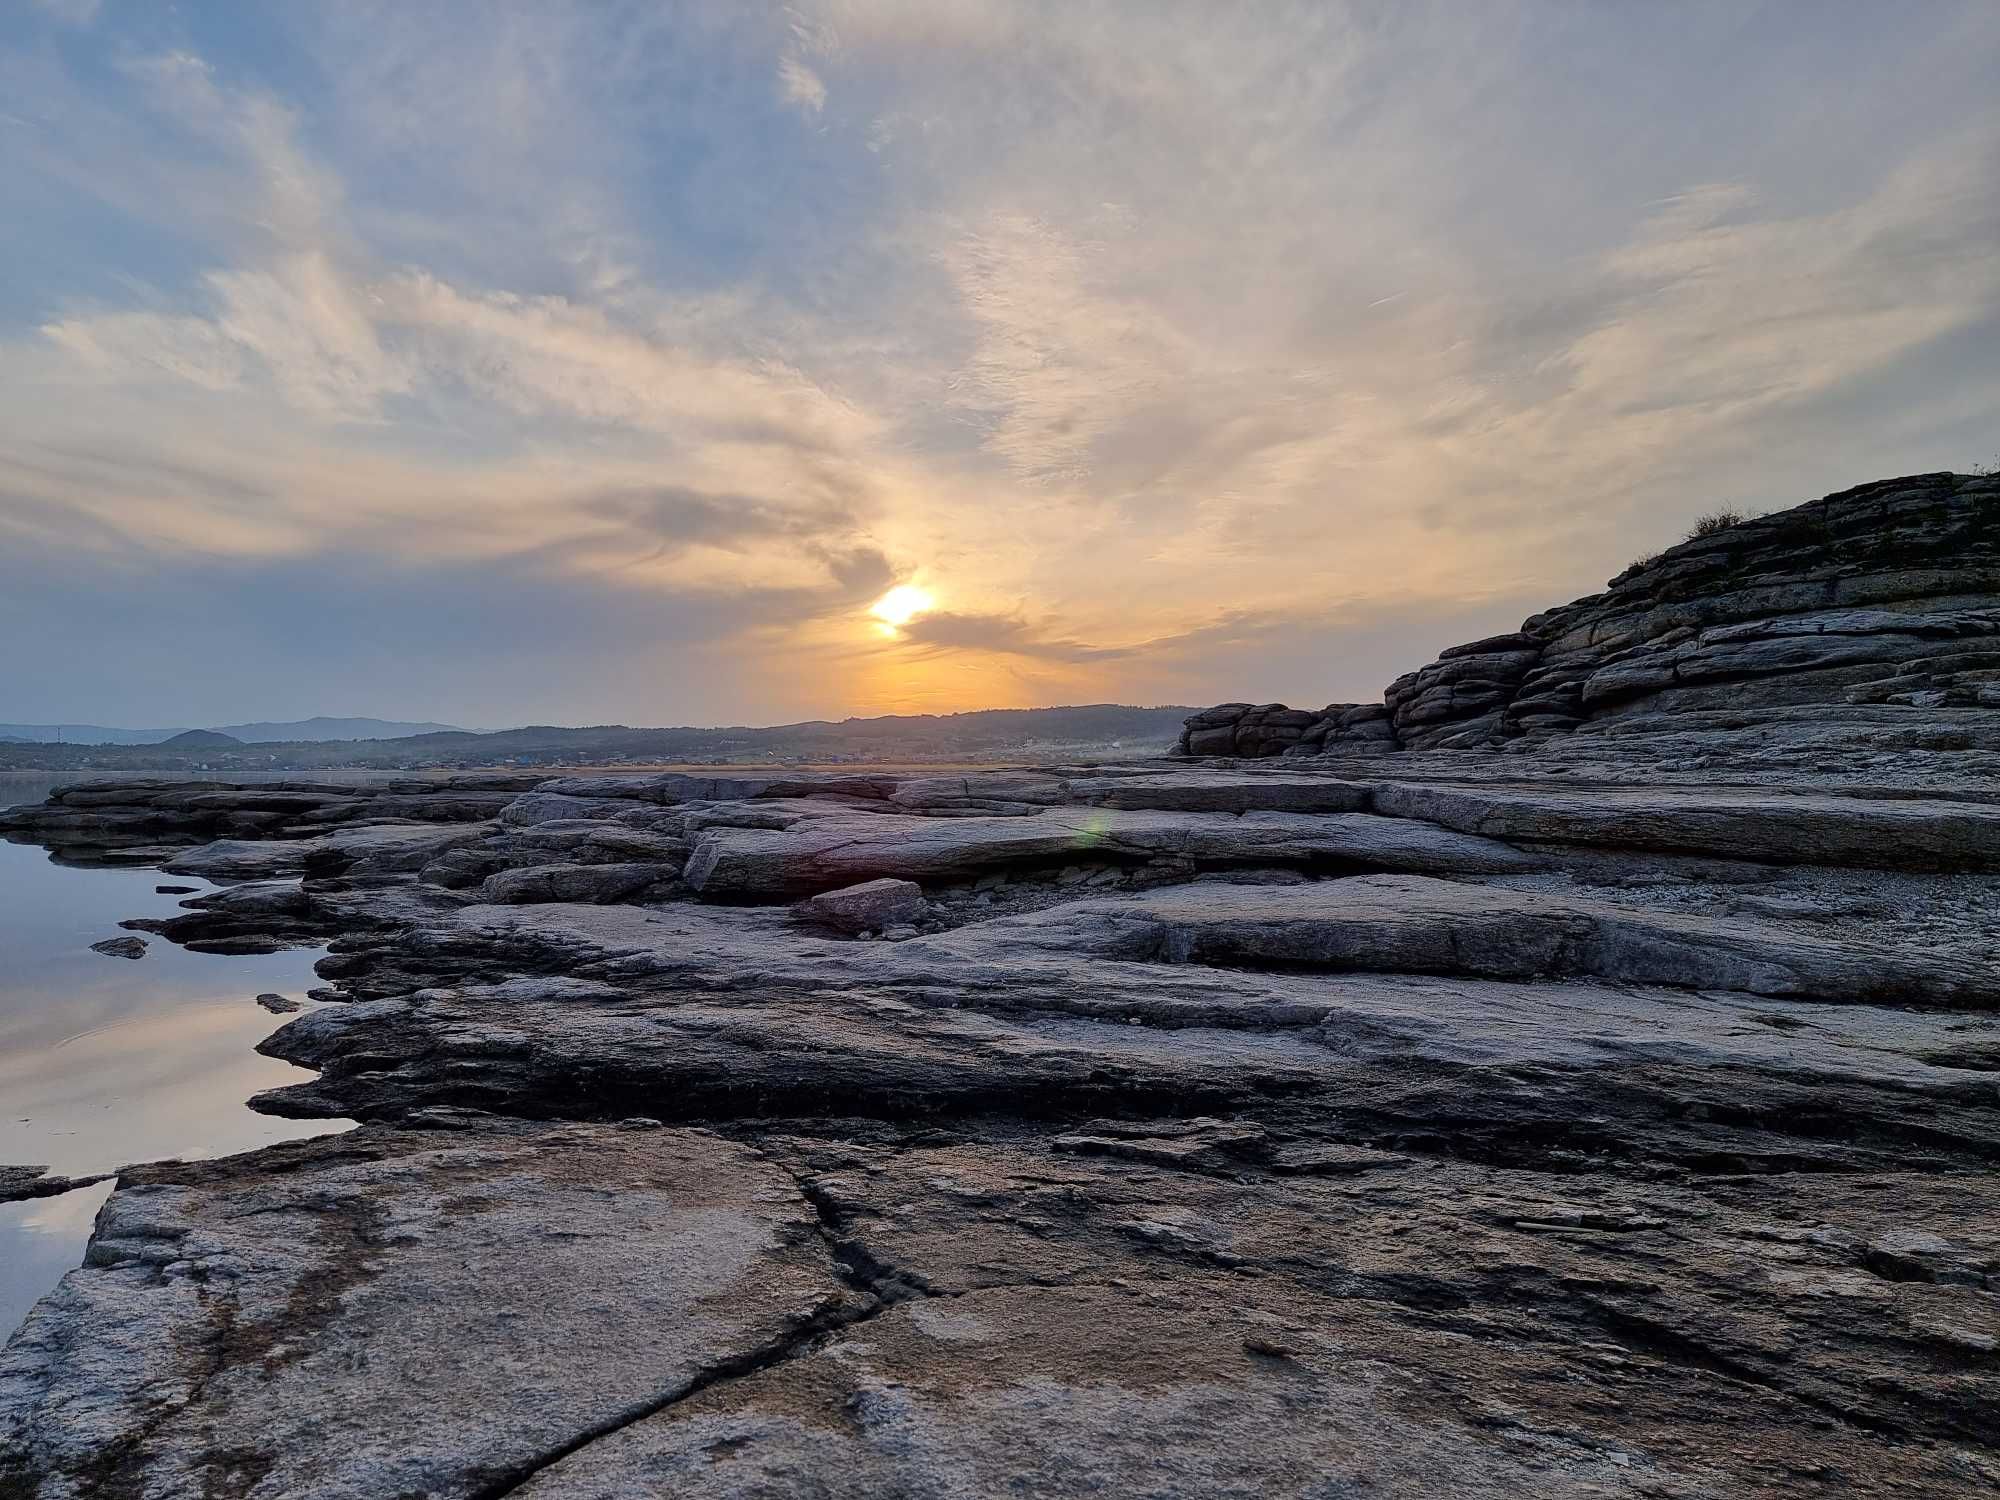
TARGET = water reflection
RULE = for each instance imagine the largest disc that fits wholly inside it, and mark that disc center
(105, 1061)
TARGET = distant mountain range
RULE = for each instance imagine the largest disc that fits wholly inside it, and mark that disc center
(319, 730)
(984, 736)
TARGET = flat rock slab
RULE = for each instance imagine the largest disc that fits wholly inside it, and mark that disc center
(824, 853)
(227, 860)
(432, 1313)
(376, 848)
(1085, 1390)
(723, 1013)
(1082, 1327)
(1793, 828)
(575, 882)
(1222, 791)
(1415, 924)
(601, 1311)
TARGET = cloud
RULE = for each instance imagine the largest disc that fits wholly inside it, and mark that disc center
(862, 571)
(801, 86)
(1006, 634)
(1061, 354)
(480, 643)
(1182, 352)
(71, 12)
(673, 515)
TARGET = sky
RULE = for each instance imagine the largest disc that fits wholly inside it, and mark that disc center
(503, 363)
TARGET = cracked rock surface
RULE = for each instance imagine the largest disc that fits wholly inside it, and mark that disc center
(1440, 1124)
(434, 1312)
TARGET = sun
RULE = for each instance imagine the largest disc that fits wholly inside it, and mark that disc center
(902, 604)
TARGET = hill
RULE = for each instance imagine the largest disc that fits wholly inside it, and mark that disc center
(1027, 734)
(317, 730)
(320, 729)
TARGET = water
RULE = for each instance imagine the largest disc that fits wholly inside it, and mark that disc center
(105, 1061)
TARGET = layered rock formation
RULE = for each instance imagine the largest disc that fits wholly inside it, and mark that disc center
(1504, 1129)
(1614, 1116)
(1888, 594)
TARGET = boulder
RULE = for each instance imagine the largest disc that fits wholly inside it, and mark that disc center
(1244, 729)
(872, 906)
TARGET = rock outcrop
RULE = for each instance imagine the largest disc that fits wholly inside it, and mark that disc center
(1888, 595)
(1611, 1113)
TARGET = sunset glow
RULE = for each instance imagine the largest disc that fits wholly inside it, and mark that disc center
(903, 604)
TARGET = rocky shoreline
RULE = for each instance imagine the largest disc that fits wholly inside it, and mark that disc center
(1604, 1109)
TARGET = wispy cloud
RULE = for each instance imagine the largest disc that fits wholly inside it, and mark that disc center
(1008, 635)
(800, 85)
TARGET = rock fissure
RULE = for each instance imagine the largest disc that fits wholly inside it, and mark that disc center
(743, 1366)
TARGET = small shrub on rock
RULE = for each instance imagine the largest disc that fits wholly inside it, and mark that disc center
(1714, 521)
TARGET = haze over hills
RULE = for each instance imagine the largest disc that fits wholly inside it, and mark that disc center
(984, 735)
(318, 729)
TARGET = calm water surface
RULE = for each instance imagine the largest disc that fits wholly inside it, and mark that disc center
(105, 1061)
